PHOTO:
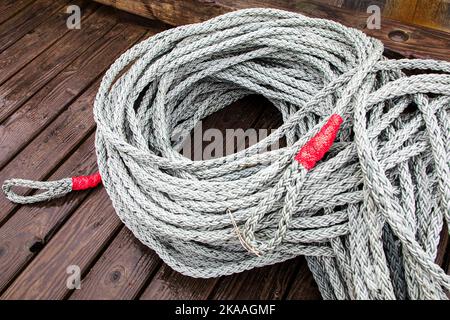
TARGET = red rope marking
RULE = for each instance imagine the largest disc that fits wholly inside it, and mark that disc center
(86, 182)
(315, 149)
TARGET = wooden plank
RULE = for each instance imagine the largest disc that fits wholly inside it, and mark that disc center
(27, 20)
(121, 272)
(18, 129)
(266, 283)
(434, 14)
(303, 287)
(121, 36)
(241, 114)
(26, 227)
(36, 41)
(31, 227)
(47, 65)
(12, 7)
(422, 42)
(171, 285)
(78, 242)
(361, 5)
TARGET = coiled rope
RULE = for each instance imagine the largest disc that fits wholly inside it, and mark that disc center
(368, 215)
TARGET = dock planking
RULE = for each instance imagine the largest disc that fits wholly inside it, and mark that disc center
(11, 7)
(121, 272)
(77, 243)
(25, 83)
(16, 56)
(27, 20)
(48, 133)
(56, 95)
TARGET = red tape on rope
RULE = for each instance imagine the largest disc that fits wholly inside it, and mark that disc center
(86, 182)
(317, 146)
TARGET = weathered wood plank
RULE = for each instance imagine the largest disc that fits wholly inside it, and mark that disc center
(47, 65)
(121, 272)
(37, 40)
(434, 14)
(12, 7)
(18, 129)
(26, 20)
(239, 115)
(270, 282)
(78, 242)
(171, 285)
(303, 286)
(31, 227)
(422, 42)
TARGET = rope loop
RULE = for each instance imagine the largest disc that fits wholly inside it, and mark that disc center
(53, 189)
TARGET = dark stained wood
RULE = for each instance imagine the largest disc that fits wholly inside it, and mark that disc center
(270, 282)
(171, 285)
(37, 40)
(239, 115)
(56, 142)
(443, 244)
(12, 7)
(422, 42)
(303, 286)
(47, 65)
(26, 20)
(18, 129)
(121, 272)
(78, 242)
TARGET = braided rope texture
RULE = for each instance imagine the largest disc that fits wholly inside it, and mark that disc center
(368, 216)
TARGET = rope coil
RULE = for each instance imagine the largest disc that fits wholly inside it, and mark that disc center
(368, 215)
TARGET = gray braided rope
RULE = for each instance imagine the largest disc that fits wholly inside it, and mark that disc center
(368, 216)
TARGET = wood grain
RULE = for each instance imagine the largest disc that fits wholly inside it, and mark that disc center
(78, 242)
(12, 7)
(270, 282)
(434, 14)
(47, 65)
(303, 287)
(34, 42)
(25, 228)
(27, 20)
(422, 42)
(121, 271)
(20, 128)
(171, 285)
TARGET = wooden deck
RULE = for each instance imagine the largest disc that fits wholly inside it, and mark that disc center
(48, 80)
